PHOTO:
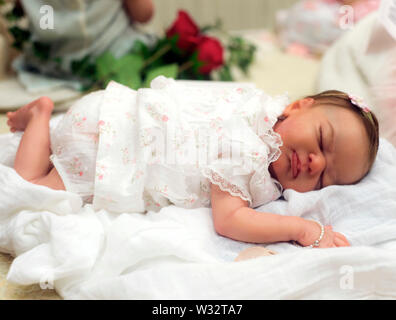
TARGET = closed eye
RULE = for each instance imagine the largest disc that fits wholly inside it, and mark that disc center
(321, 148)
(321, 139)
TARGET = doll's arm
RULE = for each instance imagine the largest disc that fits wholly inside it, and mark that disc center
(139, 10)
(233, 218)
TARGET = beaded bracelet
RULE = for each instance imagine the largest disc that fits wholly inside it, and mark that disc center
(322, 231)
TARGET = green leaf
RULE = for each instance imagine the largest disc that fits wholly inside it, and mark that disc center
(57, 60)
(124, 70)
(241, 53)
(20, 36)
(41, 50)
(196, 63)
(225, 73)
(15, 14)
(84, 68)
(104, 65)
(172, 41)
(132, 80)
(141, 49)
(11, 17)
(131, 63)
(169, 71)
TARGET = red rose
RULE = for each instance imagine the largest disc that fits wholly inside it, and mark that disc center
(210, 52)
(187, 30)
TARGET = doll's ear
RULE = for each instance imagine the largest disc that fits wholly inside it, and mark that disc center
(298, 105)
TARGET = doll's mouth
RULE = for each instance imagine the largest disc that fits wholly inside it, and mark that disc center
(296, 165)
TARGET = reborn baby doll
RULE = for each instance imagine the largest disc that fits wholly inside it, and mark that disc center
(231, 149)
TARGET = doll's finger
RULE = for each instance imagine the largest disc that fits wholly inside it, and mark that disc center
(338, 241)
(341, 241)
(341, 236)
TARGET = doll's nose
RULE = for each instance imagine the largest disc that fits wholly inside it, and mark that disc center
(316, 163)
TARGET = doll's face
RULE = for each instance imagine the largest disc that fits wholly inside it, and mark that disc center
(322, 146)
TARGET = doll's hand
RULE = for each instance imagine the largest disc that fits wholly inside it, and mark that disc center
(330, 238)
(140, 10)
(348, 2)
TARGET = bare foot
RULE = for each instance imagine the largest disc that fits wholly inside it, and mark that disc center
(18, 120)
(253, 252)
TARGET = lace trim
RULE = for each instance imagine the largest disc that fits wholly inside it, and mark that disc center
(272, 138)
(274, 152)
(274, 144)
(224, 185)
(275, 140)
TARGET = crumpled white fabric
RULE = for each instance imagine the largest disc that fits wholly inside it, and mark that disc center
(142, 150)
(176, 254)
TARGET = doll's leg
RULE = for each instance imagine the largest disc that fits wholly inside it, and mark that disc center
(32, 159)
(51, 180)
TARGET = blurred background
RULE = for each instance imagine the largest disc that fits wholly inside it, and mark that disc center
(302, 47)
(235, 14)
(276, 68)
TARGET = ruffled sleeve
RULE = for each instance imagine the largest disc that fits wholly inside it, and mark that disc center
(250, 146)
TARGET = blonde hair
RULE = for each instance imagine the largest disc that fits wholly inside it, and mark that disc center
(341, 99)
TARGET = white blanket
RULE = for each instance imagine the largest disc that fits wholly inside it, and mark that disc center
(176, 254)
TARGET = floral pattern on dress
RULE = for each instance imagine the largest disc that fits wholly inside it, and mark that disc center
(130, 116)
(162, 190)
(106, 128)
(125, 156)
(139, 174)
(58, 150)
(100, 171)
(180, 140)
(204, 188)
(216, 124)
(146, 137)
(76, 167)
(191, 199)
(94, 137)
(78, 119)
(152, 204)
(156, 112)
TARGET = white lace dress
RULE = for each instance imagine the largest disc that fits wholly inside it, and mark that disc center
(133, 151)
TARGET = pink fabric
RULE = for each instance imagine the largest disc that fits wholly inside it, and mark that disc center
(364, 7)
(309, 27)
(299, 49)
